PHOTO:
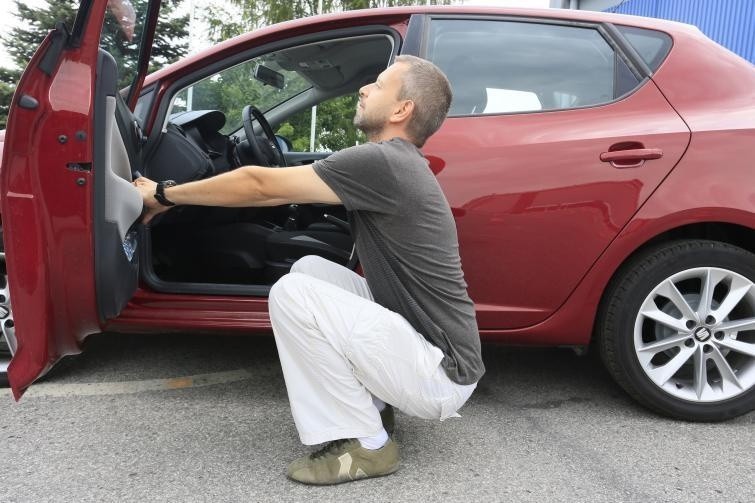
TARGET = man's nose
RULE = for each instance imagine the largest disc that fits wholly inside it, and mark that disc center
(364, 90)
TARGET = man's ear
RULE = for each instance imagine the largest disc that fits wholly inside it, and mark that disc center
(403, 112)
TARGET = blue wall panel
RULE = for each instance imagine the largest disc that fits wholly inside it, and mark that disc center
(731, 23)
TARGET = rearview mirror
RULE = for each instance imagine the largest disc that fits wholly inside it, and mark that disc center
(269, 76)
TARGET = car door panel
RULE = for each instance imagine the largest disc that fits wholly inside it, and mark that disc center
(117, 203)
(64, 209)
(534, 203)
(47, 238)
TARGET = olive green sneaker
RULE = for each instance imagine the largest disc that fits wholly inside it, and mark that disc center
(343, 461)
(388, 418)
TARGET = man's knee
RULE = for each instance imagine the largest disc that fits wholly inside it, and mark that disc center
(288, 289)
(309, 263)
(288, 303)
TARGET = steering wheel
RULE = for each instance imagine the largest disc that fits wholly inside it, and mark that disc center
(246, 115)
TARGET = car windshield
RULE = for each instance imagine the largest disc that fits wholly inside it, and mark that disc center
(261, 82)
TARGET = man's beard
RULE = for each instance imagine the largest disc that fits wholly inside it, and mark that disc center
(371, 126)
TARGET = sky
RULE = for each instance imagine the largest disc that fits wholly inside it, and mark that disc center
(9, 20)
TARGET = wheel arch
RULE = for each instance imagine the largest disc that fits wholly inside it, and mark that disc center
(725, 232)
(733, 233)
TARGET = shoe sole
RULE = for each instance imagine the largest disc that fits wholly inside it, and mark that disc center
(394, 470)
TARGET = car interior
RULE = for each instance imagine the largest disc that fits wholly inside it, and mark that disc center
(208, 247)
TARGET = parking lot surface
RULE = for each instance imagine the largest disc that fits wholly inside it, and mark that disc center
(197, 418)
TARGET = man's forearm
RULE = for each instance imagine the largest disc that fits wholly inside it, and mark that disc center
(246, 186)
(238, 188)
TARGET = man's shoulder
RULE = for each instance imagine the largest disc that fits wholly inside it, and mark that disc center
(360, 153)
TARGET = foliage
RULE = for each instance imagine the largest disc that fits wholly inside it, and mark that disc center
(22, 40)
(335, 129)
(8, 78)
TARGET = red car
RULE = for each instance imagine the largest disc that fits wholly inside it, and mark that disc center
(600, 168)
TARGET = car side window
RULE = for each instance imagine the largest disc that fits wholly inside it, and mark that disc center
(498, 67)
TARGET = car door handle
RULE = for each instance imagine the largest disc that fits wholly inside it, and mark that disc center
(636, 156)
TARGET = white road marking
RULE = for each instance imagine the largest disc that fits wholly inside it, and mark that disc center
(131, 387)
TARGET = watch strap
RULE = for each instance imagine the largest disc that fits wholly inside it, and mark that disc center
(160, 192)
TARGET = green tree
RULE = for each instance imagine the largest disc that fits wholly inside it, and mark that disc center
(21, 41)
(8, 78)
(334, 126)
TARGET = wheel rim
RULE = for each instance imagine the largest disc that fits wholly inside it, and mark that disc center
(694, 336)
(7, 326)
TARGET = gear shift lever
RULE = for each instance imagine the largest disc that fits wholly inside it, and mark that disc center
(341, 224)
(293, 218)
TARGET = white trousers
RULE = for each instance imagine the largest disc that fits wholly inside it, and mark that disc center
(338, 348)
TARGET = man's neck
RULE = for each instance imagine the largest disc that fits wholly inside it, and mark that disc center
(386, 135)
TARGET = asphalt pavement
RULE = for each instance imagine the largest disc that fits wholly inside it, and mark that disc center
(187, 418)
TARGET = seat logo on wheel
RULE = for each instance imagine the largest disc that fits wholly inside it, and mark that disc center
(702, 334)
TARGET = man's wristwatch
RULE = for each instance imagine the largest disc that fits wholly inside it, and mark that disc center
(160, 192)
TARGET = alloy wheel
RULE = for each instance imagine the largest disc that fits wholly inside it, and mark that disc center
(694, 335)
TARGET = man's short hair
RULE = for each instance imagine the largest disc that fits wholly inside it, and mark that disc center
(427, 86)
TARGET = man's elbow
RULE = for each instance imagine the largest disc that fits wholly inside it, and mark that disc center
(257, 184)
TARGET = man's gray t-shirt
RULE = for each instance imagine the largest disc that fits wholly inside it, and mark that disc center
(406, 240)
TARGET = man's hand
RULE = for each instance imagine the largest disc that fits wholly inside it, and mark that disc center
(147, 189)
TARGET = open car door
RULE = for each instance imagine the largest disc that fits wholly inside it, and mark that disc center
(68, 206)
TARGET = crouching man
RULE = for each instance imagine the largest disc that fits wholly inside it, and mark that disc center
(404, 334)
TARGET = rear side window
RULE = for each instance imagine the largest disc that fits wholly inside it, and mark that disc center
(506, 66)
(652, 46)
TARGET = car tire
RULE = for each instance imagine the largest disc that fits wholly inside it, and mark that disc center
(6, 317)
(667, 329)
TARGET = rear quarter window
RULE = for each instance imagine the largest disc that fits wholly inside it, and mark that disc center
(652, 46)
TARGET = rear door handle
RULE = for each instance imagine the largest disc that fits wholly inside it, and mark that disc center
(631, 158)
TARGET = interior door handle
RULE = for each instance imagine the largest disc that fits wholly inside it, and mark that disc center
(635, 154)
